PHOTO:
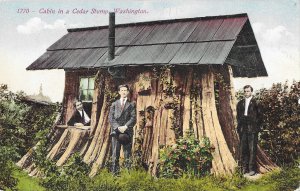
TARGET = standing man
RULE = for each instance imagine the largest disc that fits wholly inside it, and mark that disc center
(249, 119)
(122, 118)
(79, 116)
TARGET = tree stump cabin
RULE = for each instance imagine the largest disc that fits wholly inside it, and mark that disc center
(180, 73)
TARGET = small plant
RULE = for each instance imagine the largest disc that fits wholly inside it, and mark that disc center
(187, 156)
(72, 176)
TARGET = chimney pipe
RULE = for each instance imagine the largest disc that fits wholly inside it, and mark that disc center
(111, 36)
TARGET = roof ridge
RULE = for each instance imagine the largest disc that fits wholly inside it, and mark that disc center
(159, 22)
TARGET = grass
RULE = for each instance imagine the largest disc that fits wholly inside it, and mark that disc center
(25, 182)
(279, 180)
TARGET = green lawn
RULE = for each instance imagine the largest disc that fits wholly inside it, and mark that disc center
(284, 180)
(25, 182)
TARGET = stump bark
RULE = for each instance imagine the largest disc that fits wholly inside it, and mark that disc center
(169, 101)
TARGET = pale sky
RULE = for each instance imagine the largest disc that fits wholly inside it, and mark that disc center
(27, 31)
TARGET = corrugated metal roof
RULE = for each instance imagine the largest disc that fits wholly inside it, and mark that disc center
(204, 40)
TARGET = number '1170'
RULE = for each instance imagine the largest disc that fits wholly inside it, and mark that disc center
(23, 11)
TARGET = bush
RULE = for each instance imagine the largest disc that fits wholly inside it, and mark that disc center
(19, 122)
(281, 122)
(284, 179)
(72, 176)
(6, 166)
(188, 155)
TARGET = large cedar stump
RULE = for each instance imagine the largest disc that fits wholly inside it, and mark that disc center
(169, 101)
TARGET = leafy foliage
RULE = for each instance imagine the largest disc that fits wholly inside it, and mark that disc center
(6, 166)
(19, 122)
(185, 161)
(281, 121)
(280, 135)
(188, 155)
(285, 179)
(72, 176)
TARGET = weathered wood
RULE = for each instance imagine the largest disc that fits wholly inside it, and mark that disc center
(227, 117)
(26, 160)
(76, 135)
(101, 100)
(169, 101)
(227, 108)
(223, 162)
(62, 141)
(103, 153)
(187, 120)
(70, 92)
(264, 163)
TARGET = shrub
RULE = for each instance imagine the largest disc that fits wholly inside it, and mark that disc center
(6, 166)
(285, 179)
(188, 155)
(20, 121)
(72, 176)
(281, 122)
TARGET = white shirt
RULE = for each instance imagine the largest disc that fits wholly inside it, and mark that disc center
(123, 100)
(86, 117)
(247, 102)
(123, 128)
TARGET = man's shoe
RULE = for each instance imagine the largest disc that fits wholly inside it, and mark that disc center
(251, 173)
(245, 171)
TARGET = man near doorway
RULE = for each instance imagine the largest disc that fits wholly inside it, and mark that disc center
(79, 117)
(122, 118)
(249, 119)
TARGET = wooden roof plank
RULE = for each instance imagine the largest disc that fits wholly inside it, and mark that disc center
(183, 54)
(68, 56)
(62, 42)
(205, 30)
(206, 40)
(230, 28)
(167, 54)
(217, 52)
(37, 63)
(155, 35)
(52, 62)
(142, 35)
(94, 56)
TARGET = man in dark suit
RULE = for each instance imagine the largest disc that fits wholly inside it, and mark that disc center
(122, 118)
(79, 116)
(249, 119)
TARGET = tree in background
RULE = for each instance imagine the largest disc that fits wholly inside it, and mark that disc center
(280, 136)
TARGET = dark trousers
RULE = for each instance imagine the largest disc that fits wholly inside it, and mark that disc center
(248, 146)
(116, 147)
